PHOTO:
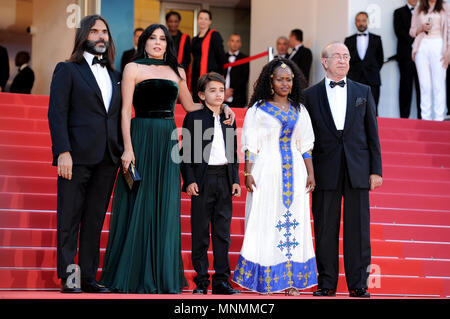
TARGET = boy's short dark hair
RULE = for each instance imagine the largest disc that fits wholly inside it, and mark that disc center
(209, 77)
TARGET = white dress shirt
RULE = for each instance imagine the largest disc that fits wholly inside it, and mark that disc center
(217, 156)
(102, 77)
(231, 59)
(337, 98)
(362, 43)
(294, 51)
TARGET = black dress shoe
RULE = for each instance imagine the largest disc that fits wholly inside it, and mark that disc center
(69, 290)
(224, 288)
(324, 292)
(94, 287)
(200, 290)
(359, 293)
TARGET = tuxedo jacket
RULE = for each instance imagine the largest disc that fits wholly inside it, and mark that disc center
(77, 116)
(195, 163)
(402, 24)
(366, 71)
(303, 59)
(239, 81)
(23, 81)
(127, 57)
(359, 142)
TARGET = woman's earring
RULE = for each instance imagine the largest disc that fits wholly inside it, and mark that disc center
(272, 92)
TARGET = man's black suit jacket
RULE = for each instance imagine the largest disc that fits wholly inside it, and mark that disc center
(239, 81)
(23, 81)
(359, 143)
(402, 24)
(366, 71)
(77, 116)
(127, 57)
(196, 150)
(303, 58)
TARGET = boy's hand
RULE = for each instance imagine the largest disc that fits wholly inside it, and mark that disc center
(192, 189)
(236, 190)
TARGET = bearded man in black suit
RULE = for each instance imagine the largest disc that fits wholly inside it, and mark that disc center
(84, 118)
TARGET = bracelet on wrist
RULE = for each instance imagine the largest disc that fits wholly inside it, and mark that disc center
(247, 174)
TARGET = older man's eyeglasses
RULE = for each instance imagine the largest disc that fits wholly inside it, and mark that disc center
(337, 56)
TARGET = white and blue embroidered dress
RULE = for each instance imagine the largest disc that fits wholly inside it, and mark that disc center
(277, 252)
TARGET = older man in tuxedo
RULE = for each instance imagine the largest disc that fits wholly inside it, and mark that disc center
(347, 164)
(84, 119)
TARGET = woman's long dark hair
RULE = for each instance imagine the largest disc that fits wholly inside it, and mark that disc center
(424, 6)
(81, 38)
(170, 56)
(262, 87)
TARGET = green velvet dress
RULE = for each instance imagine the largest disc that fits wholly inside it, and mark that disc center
(144, 245)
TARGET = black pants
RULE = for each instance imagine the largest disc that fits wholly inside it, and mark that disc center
(408, 77)
(213, 206)
(82, 205)
(326, 206)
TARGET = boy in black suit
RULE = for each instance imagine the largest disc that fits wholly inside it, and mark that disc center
(210, 173)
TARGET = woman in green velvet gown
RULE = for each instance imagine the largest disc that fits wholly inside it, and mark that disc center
(143, 254)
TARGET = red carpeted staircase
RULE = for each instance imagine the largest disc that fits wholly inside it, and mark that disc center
(410, 215)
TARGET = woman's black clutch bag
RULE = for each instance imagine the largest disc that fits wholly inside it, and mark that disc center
(132, 177)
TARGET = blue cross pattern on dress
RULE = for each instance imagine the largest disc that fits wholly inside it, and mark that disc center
(288, 121)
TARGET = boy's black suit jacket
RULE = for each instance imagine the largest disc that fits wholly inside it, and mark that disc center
(196, 148)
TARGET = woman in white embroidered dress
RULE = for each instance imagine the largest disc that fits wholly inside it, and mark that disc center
(277, 139)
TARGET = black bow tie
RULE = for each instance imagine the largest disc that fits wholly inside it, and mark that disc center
(362, 34)
(102, 62)
(341, 83)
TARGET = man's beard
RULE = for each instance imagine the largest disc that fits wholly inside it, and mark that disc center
(91, 47)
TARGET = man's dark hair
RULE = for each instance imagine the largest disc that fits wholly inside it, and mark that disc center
(81, 37)
(209, 77)
(207, 12)
(298, 34)
(138, 29)
(173, 13)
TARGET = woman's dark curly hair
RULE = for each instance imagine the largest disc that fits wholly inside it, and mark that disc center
(262, 87)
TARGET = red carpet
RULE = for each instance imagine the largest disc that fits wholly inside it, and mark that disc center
(410, 215)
